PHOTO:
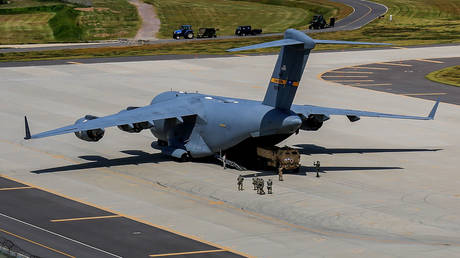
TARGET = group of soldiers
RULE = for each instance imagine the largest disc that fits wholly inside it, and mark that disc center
(258, 184)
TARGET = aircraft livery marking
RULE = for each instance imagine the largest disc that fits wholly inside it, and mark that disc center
(284, 82)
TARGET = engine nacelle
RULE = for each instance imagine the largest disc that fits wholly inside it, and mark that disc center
(136, 127)
(313, 122)
(93, 135)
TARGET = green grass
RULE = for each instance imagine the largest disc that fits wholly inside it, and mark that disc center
(25, 28)
(225, 15)
(109, 19)
(414, 22)
(449, 75)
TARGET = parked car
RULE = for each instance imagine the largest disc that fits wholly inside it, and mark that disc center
(207, 33)
(247, 30)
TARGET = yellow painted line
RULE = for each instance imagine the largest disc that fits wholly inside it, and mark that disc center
(86, 218)
(352, 80)
(395, 64)
(399, 47)
(257, 87)
(369, 68)
(367, 85)
(36, 243)
(124, 215)
(70, 62)
(350, 72)
(430, 61)
(345, 76)
(424, 94)
(15, 188)
(185, 253)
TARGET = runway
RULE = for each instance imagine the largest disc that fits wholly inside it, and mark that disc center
(363, 13)
(390, 187)
(403, 77)
(47, 225)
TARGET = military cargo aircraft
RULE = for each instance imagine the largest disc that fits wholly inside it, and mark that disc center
(194, 125)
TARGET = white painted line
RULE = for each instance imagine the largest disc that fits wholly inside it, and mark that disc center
(56, 234)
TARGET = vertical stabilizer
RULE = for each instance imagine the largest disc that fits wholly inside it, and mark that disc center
(288, 70)
(295, 48)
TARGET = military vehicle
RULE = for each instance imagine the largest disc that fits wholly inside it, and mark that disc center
(195, 125)
(246, 30)
(184, 31)
(285, 158)
(207, 33)
(318, 22)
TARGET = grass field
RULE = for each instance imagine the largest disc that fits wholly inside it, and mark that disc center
(414, 22)
(270, 15)
(26, 28)
(449, 75)
(109, 19)
(31, 21)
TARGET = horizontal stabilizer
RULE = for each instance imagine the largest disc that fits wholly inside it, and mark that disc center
(276, 43)
(321, 41)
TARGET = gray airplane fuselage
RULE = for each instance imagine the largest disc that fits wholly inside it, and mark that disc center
(224, 123)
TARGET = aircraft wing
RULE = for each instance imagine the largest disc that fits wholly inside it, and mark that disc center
(157, 111)
(354, 115)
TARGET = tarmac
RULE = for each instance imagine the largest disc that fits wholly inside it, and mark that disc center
(388, 188)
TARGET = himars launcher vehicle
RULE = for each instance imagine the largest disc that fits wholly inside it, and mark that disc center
(193, 125)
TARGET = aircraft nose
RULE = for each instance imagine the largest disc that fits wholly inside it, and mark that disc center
(291, 124)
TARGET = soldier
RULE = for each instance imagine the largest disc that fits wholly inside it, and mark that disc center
(280, 173)
(262, 186)
(224, 160)
(254, 183)
(269, 186)
(240, 180)
(317, 165)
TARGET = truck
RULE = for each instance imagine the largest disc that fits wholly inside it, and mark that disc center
(281, 159)
(207, 33)
(318, 22)
(247, 30)
(184, 31)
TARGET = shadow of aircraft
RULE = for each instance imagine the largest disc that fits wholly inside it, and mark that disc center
(308, 149)
(136, 158)
(304, 170)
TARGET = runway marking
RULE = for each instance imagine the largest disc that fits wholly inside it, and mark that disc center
(185, 253)
(345, 76)
(395, 64)
(349, 72)
(124, 215)
(430, 61)
(424, 94)
(15, 188)
(241, 55)
(352, 80)
(370, 68)
(257, 87)
(56, 234)
(36, 243)
(70, 62)
(367, 85)
(399, 47)
(86, 218)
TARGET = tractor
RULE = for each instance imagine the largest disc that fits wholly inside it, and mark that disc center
(184, 31)
(318, 22)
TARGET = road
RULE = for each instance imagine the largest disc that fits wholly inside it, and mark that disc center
(364, 12)
(405, 77)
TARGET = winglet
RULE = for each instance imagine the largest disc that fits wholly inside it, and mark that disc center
(27, 129)
(433, 110)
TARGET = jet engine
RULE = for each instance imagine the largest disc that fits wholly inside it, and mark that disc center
(136, 127)
(93, 135)
(313, 122)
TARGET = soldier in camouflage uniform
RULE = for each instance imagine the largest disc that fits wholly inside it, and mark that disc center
(254, 182)
(280, 173)
(269, 186)
(317, 165)
(261, 186)
(240, 180)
